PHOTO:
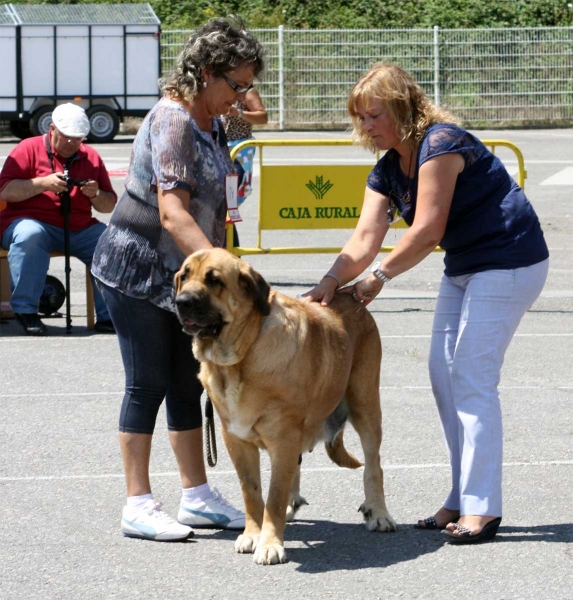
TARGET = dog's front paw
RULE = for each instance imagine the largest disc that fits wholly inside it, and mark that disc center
(295, 503)
(269, 554)
(246, 543)
(377, 519)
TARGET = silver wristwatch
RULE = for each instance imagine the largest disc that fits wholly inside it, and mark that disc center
(376, 270)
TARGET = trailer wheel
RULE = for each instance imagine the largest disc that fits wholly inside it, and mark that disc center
(20, 129)
(104, 123)
(41, 119)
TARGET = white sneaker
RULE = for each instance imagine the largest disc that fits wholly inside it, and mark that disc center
(212, 513)
(149, 522)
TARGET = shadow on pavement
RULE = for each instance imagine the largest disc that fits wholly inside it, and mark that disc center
(332, 546)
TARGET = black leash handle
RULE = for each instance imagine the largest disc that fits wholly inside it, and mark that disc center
(210, 440)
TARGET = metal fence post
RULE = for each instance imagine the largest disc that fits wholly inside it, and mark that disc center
(436, 65)
(281, 79)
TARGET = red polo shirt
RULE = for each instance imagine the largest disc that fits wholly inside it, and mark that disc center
(30, 159)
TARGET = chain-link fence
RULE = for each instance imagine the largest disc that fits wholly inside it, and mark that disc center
(493, 77)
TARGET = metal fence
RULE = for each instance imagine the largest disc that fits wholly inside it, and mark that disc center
(493, 77)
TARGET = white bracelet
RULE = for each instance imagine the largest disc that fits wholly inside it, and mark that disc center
(335, 279)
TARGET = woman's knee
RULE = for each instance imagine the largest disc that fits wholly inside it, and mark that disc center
(140, 408)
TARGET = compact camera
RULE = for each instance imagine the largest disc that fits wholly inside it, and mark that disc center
(71, 182)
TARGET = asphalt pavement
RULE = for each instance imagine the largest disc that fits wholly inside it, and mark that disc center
(61, 477)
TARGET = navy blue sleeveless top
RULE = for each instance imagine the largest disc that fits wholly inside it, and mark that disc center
(491, 224)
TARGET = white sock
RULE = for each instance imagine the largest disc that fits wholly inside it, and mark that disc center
(138, 501)
(196, 494)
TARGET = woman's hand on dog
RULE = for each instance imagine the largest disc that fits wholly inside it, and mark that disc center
(323, 292)
(363, 291)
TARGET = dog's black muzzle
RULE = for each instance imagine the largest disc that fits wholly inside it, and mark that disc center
(197, 316)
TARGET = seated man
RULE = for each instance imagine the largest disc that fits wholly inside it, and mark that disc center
(32, 224)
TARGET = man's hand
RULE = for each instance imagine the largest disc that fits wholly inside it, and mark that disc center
(90, 189)
(53, 183)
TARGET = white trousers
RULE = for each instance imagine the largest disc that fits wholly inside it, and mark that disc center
(475, 319)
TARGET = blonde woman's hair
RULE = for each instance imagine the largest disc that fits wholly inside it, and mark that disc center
(404, 100)
(221, 45)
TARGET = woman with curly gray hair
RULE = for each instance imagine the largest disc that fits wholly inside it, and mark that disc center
(174, 204)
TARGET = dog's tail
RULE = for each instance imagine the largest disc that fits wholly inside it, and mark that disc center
(334, 442)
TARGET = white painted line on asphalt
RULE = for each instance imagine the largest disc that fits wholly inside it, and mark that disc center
(535, 463)
(72, 394)
(563, 177)
(38, 340)
(383, 387)
(501, 387)
(398, 337)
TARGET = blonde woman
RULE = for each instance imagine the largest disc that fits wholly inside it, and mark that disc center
(451, 191)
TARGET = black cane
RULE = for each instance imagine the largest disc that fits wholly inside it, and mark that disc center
(66, 207)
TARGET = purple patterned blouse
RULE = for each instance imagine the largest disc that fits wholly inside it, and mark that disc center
(135, 254)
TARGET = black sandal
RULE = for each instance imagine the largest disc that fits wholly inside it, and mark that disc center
(430, 523)
(465, 536)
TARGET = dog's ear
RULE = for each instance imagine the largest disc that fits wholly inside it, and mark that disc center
(254, 284)
(177, 278)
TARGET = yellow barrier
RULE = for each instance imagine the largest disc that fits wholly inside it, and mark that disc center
(316, 196)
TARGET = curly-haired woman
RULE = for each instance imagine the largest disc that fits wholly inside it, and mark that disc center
(454, 192)
(174, 204)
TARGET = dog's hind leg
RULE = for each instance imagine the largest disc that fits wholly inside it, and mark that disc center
(295, 499)
(366, 417)
(246, 458)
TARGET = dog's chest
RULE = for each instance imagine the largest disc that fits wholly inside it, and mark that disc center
(226, 387)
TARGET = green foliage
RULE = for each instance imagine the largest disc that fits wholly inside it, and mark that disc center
(359, 14)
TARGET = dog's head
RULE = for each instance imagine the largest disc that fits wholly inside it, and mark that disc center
(213, 288)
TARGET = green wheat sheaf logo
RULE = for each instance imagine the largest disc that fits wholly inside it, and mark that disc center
(318, 188)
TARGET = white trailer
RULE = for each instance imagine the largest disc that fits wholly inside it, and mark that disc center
(105, 58)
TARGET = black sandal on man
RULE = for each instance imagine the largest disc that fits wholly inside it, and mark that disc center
(465, 536)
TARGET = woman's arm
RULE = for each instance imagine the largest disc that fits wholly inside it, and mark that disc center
(256, 114)
(436, 184)
(360, 249)
(175, 218)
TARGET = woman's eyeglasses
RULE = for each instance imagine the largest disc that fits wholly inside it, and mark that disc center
(236, 87)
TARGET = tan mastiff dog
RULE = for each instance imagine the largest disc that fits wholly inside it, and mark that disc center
(283, 375)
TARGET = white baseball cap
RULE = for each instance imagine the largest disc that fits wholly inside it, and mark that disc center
(71, 119)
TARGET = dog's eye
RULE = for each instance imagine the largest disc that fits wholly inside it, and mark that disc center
(183, 275)
(211, 279)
